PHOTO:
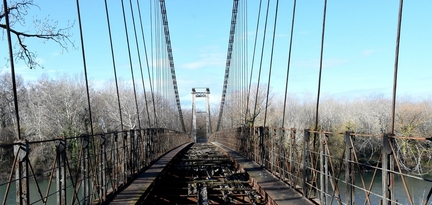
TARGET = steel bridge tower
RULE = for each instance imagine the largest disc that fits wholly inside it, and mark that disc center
(195, 95)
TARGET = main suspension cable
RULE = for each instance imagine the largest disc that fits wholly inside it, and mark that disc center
(228, 60)
(171, 61)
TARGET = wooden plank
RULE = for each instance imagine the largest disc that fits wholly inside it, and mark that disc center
(277, 190)
(135, 192)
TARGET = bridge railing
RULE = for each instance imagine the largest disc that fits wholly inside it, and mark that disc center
(87, 169)
(334, 168)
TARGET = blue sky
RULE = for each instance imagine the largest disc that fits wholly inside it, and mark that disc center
(359, 48)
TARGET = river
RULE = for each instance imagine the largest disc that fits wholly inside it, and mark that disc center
(418, 190)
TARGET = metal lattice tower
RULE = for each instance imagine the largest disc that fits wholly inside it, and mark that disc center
(195, 95)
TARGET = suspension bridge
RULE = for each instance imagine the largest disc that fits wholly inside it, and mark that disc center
(153, 152)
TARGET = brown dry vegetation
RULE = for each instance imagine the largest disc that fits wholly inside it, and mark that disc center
(51, 108)
(367, 115)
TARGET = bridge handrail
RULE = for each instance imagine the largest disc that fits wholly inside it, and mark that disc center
(319, 163)
(86, 169)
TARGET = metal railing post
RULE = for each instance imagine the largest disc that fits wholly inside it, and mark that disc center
(21, 150)
(387, 170)
(60, 170)
(116, 163)
(132, 156)
(140, 145)
(323, 168)
(282, 156)
(306, 162)
(291, 157)
(85, 170)
(272, 140)
(102, 168)
(349, 170)
(125, 158)
(261, 144)
(147, 147)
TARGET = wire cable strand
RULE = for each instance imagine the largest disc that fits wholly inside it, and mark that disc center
(139, 60)
(396, 65)
(252, 64)
(228, 61)
(11, 58)
(130, 62)
(320, 67)
(271, 62)
(148, 67)
(114, 65)
(261, 59)
(289, 62)
(85, 67)
(171, 61)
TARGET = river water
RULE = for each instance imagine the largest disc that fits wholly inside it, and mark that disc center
(35, 195)
(418, 190)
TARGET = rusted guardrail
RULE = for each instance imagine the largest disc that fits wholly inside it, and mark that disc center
(332, 168)
(81, 170)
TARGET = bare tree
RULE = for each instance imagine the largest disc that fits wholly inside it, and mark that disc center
(45, 29)
(56, 108)
(7, 111)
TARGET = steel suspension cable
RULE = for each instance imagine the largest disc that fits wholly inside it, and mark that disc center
(171, 61)
(396, 65)
(114, 65)
(85, 67)
(139, 60)
(152, 49)
(261, 60)
(148, 67)
(11, 58)
(245, 59)
(228, 61)
(271, 61)
(158, 51)
(289, 61)
(253, 62)
(130, 62)
(320, 68)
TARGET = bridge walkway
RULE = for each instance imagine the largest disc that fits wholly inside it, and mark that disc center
(150, 186)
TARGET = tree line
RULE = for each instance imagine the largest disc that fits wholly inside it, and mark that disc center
(50, 108)
(369, 115)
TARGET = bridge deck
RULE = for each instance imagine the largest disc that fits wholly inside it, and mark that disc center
(267, 185)
(278, 191)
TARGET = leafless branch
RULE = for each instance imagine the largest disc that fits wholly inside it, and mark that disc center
(45, 29)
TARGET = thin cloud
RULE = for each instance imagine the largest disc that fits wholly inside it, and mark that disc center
(367, 53)
(206, 60)
(304, 32)
(327, 63)
(335, 62)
